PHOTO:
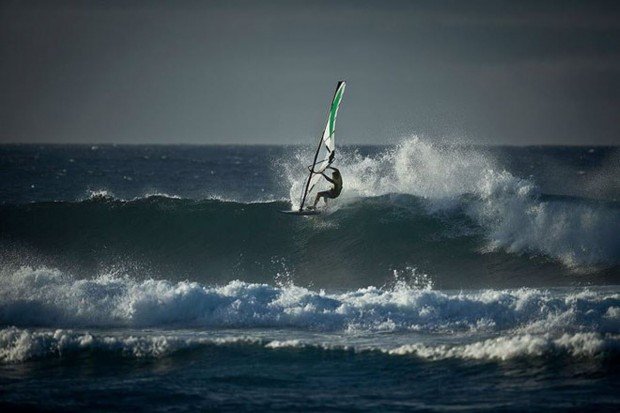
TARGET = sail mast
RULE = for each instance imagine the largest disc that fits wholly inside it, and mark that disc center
(328, 133)
(316, 155)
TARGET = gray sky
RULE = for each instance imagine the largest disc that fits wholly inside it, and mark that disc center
(263, 72)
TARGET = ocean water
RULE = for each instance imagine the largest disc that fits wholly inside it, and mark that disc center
(165, 278)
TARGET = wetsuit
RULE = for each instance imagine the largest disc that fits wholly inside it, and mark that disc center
(334, 192)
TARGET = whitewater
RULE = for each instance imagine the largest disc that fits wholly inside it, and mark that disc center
(144, 271)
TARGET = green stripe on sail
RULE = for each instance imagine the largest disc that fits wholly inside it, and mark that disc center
(334, 110)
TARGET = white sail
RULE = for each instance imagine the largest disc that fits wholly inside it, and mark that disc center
(326, 151)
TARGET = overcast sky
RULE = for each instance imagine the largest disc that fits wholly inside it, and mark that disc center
(263, 72)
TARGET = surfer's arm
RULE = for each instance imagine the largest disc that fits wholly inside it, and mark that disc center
(328, 178)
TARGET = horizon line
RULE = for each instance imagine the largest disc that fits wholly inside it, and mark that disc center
(109, 144)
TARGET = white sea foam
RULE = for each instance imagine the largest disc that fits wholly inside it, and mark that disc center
(583, 345)
(509, 208)
(284, 344)
(157, 194)
(502, 348)
(94, 194)
(104, 194)
(45, 297)
(17, 345)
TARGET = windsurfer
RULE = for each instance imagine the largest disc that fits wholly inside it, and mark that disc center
(334, 192)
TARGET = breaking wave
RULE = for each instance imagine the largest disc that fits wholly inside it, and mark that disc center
(41, 309)
(515, 216)
(359, 243)
(451, 213)
(19, 345)
(49, 298)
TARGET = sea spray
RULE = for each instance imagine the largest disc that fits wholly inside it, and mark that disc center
(515, 217)
(47, 297)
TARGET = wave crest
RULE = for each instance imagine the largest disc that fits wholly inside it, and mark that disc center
(20, 345)
(46, 297)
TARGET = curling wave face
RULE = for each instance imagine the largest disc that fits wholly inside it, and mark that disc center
(447, 212)
(362, 243)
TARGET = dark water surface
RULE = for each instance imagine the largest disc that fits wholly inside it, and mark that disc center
(165, 278)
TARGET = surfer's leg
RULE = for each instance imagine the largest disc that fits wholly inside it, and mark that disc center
(328, 195)
(316, 200)
(320, 195)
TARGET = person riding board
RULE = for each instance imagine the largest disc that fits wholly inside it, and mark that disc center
(334, 192)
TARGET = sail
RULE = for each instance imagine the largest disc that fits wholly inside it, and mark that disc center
(326, 150)
(328, 141)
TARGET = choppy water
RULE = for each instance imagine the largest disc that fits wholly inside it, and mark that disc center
(158, 278)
